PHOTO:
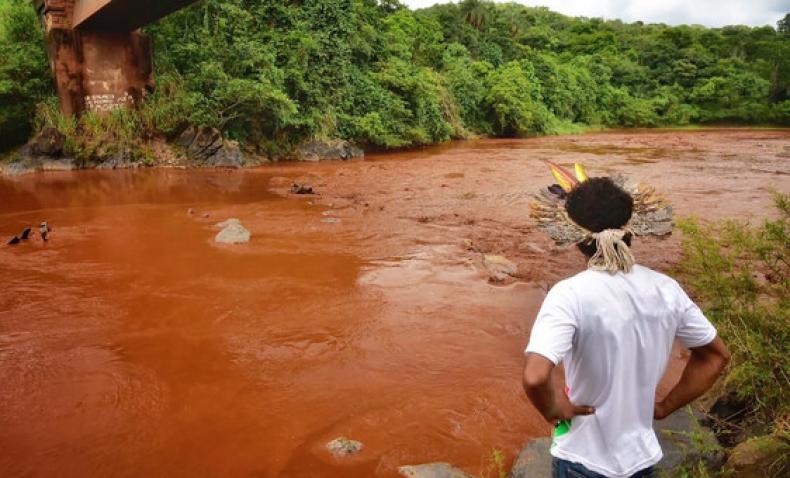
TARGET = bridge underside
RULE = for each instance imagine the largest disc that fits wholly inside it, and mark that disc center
(114, 15)
(99, 58)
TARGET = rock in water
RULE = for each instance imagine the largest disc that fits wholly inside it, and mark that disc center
(499, 268)
(432, 470)
(534, 460)
(44, 230)
(301, 189)
(342, 446)
(232, 233)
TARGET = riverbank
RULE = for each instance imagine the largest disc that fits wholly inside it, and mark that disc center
(135, 345)
(49, 150)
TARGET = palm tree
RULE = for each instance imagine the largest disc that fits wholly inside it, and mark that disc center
(475, 13)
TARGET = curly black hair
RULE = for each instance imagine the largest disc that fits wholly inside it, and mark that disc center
(599, 204)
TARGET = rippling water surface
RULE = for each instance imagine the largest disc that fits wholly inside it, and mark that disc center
(132, 345)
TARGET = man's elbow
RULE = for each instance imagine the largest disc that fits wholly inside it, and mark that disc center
(533, 381)
(535, 377)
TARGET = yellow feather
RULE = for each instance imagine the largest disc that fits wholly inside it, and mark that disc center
(581, 174)
(562, 180)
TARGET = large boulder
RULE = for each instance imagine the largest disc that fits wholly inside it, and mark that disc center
(318, 150)
(760, 457)
(685, 440)
(534, 460)
(207, 147)
(48, 142)
(228, 156)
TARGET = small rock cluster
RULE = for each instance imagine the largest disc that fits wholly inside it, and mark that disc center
(318, 150)
(499, 268)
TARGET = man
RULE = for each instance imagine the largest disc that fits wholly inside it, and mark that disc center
(613, 326)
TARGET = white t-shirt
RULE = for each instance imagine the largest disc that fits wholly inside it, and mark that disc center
(614, 333)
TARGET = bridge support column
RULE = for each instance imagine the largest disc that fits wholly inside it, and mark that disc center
(94, 70)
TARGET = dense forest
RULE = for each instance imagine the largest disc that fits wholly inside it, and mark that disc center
(272, 73)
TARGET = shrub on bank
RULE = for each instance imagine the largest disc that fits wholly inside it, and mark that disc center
(741, 275)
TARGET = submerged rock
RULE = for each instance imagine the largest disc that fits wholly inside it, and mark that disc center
(432, 470)
(499, 267)
(534, 460)
(330, 149)
(232, 232)
(343, 446)
(301, 189)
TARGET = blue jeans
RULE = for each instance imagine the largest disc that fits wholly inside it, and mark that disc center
(567, 469)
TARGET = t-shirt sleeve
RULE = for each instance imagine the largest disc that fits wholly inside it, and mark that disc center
(555, 325)
(694, 329)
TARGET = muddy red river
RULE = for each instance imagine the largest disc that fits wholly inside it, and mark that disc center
(133, 345)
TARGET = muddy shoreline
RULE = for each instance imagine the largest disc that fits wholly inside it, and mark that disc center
(131, 344)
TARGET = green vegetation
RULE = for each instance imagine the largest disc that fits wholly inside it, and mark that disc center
(741, 274)
(24, 71)
(271, 73)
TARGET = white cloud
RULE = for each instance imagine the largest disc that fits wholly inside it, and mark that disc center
(712, 13)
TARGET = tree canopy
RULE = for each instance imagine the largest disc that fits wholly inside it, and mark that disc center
(273, 73)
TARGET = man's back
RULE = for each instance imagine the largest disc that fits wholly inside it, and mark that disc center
(614, 333)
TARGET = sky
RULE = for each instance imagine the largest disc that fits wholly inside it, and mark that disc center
(711, 13)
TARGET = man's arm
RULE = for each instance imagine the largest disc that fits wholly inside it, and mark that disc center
(701, 372)
(540, 388)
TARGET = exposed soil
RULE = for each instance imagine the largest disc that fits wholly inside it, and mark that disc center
(132, 345)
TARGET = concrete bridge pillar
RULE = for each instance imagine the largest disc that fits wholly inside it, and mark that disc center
(95, 69)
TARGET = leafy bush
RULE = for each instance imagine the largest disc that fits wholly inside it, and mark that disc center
(741, 274)
(24, 71)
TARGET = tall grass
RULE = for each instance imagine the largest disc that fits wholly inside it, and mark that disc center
(741, 275)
